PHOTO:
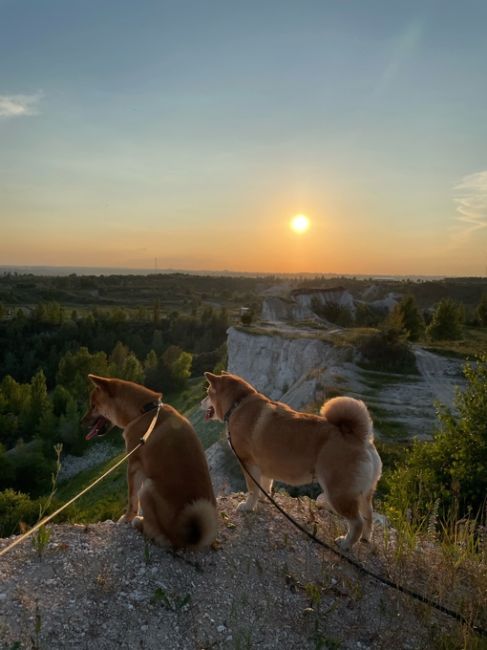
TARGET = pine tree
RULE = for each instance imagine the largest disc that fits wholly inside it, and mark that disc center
(447, 321)
(406, 317)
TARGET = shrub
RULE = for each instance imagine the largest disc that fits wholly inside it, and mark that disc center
(16, 507)
(453, 467)
(333, 312)
(387, 351)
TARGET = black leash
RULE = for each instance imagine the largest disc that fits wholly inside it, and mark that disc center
(389, 583)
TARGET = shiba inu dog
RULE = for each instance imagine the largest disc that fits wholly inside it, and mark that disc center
(168, 476)
(273, 441)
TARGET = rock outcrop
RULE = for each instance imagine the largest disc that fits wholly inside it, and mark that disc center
(290, 368)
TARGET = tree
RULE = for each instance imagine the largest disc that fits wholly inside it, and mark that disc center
(452, 469)
(6, 469)
(74, 368)
(482, 310)
(70, 429)
(406, 316)
(39, 401)
(175, 369)
(447, 321)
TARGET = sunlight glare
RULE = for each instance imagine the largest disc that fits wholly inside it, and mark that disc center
(300, 224)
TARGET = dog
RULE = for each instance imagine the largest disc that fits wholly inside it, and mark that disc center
(168, 476)
(273, 441)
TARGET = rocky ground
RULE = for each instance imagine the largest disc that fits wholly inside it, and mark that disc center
(264, 585)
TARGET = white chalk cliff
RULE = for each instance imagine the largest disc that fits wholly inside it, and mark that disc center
(292, 369)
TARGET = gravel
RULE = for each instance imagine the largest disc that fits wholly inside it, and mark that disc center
(263, 585)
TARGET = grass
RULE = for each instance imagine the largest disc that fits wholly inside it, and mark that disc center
(390, 429)
(107, 500)
(377, 380)
(473, 343)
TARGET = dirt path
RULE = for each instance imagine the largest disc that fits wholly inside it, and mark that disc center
(437, 374)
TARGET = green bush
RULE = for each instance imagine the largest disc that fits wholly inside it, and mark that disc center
(387, 351)
(452, 469)
(16, 507)
(333, 312)
(33, 470)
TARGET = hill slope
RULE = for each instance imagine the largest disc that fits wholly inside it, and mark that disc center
(265, 586)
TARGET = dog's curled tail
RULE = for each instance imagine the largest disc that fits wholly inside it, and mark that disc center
(197, 525)
(350, 416)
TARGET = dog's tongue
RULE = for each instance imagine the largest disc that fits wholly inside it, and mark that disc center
(210, 412)
(97, 429)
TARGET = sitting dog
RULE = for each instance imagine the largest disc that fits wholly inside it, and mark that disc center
(273, 441)
(168, 476)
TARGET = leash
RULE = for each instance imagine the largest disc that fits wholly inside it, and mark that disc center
(389, 583)
(48, 518)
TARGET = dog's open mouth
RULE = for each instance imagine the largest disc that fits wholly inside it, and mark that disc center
(100, 427)
(210, 412)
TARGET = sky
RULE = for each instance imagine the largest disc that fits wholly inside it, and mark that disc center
(186, 134)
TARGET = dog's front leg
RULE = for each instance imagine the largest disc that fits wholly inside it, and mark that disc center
(135, 478)
(253, 491)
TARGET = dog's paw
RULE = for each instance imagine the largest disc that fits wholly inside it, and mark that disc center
(125, 519)
(138, 523)
(245, 506)
(321, 501)
(343, 543)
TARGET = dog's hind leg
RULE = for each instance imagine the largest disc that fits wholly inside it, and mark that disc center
(349, 508)
(367, 514)
(266, 484)
(253, 491)
(150, 524)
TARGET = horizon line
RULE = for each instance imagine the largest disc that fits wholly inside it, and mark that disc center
(40, 269)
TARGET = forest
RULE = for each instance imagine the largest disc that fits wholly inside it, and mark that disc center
(49, 347)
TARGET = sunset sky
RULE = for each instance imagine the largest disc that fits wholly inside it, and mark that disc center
(188, 133)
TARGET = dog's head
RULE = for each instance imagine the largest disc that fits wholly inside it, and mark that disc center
(223, 392)
(99, 416)
(116, 402)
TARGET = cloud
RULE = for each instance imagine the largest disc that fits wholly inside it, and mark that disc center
(18, 105)
(471, 202)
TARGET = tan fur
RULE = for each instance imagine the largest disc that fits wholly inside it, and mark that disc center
(168, 477)
(274, 441)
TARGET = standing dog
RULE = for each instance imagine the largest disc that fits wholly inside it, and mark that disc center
(168, 476)
(273, 441)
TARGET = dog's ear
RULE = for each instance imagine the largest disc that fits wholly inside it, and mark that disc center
(102, 382)
(211, 377)
(225, 372)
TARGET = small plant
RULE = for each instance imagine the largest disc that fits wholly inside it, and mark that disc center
(147, 551)
(172, 602)
(35, 639)
(41, 539)
(313, 592)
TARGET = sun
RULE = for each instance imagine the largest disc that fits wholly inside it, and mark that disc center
(300, 224)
